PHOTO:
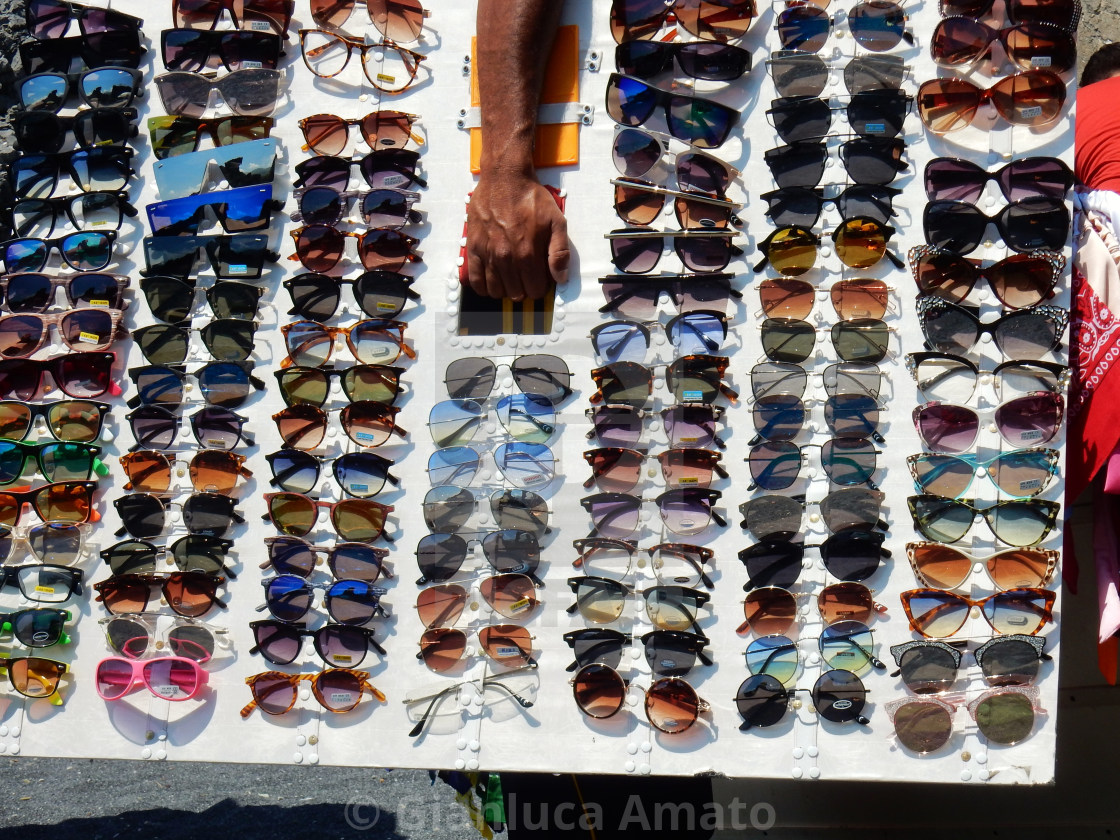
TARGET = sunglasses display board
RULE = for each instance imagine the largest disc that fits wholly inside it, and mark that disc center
(779, 495)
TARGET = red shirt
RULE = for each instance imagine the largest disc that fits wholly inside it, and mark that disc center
(1097, 132)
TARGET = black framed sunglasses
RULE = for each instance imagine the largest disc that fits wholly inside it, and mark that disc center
(868, 160)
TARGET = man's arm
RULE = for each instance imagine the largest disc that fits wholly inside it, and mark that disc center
(517, 238)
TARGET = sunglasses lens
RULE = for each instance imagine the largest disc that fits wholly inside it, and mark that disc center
(48, 584)
(506, 644)
(775, 564)
(803, 28)
(800, 119)
(442, 648)
(672, 705)
(342, 646)
(846, 602)
(877, 25)
(352, 602)
(849, 461)
(275, 693)
(778, 379)
(852, 415)
(772, 518)
(761, 701)
(591, 645)
(113, 678)
(289, 598)
(947, 104)
(798, 74)
(839, 696)
(440, 556)
(787, 340)
(617, 426)
(278, 643)
(671, 607)
(923, 726)
(779, 416)
(599, 690)
(861, 340)
(455, 465)
(191, 642)
(615, 470)
(361, 474)
(301, 427)
(447, 508)
(860, 298)
(786, 298)
(454, 422)
(190, 594)
(511, 595)
(947, 428)
(1008, 661)
(773, 655)
(628, 383)
(852, 556)
(1005, 718)
(224, 384)
(848, 645)
(600, 601)
(775, 465)
(686, 512)
(611, 559)
(874, 72)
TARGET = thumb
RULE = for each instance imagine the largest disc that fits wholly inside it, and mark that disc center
(559, 253)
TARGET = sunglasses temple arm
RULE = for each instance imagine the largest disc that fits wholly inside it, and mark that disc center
(703, 657)
(894, 258)
(765, 261)
(373, 644)
(419, 727)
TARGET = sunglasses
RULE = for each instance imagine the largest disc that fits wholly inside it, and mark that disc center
(178, 135)
(641, 202)
(944, 567)
(698, 60)
(327, 134)
(870, 114)
(691, 425)
(696, 332)
(156, 427)
(241, 255)
(191, 594)
(799, 73)
(372, 341)
(522, 464)
(1034, 98)
(49, 19)
(536, 375)
(366, 423)
(691, 379)
(637, 153)
(930, 667)
(791, 298)
(948, 378)
(101, 87)
(686, 512)
(192, 553)
(1018, 281)
(95, 50)
(508, 551)
(335, 689)
(224, 384)
(378, 293)
(338, 645)
(24, 334)
(638, 297)
(782, 417)
(355, 520)
(350, 602)
(935, 613)
(210, 471)
(1025, 226)
(669, 653)
(860, 243)
(1064, 13)
(776, 465)
(171, 299)
(245, 164)
(802, 206)
(35, 292)
(400, 20)
(671, 704)
(678, 564)
(961, 42)
(775, 518)
(105, 168)
(37, 628)
(1019, 522)
(868, 160)
(700, 122)
(1022, 334)
(137, 637)
(144, 516)
(319, 247)
(849, 555)
(80, 375)
(957, 179)
(56, 461)
(616, 470)
(226, 339)
(237, 210)
(250, 92)
(1002, 715)
(770, 379)
(100, 209)
(360, 383)
(383, 169)
(509, 595)
(859, 340)
(41, 132)
(711, 20)
(388, 67)
(1031, 420)
(876, 25)
(85, 250)
(388, 208)
(447, 509)
(360, 474)
(443, 648)
(43, 583)
(838, 696)
(1020, 473)
(346, 561)
(638, 250)
(525, 418)
(195, 50)
(669, 607)
(255, 15)
(61, 501)
(847, 645)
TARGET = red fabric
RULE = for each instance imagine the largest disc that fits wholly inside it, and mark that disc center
(1097, 152)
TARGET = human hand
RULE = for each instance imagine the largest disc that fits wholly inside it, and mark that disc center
(517, 238)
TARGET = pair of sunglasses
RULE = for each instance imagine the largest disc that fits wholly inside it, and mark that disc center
(945, 567)
(1033, 98)
(1028, 225)
(930, 667)
(858, 340)
(640, 203)
(360, 383)
(790, 297)
(107, 168)
(1002, 715)
(860, 243)
(802, 206)
(868, 161)
(226, 339)
(49, 19)
(709, 20)
(1022, 334)
(1018, 281)
(669, 653)
(637, 250)
(320, 247)
(507, 550)
(371, 341)
(938, 614)
(851, 555)
(876, 25)
(360, 474)
(328, 134)
(246, 164)
(98, 87)
(41, 132)
(672, 705)
(691, 379)
(877, 113)
(180, 135)
(249, 92)
(224, 384)
(679, 564)
(615, 470)
(525, 418)
(838, 696)
(254, 15)
(351, 602)
(55, 460)
(1019, 473)
(190, 594)
(847, 645)
(44, 583)
(685, 511)
(1063, 13)
(355, 520)
(210, 470)
(144, 516)
(366, 423)
(1018, 522)
(775, 517)
(801, 73)
(338, 645)
(522, 464)
(138, 637)
(783, 416)
(196, 50)
(82, 375)
(237, 210)
(776, 465)
(382, 169)
(231, 256)
(716, 62)
(956, 179)
(388, 67)
(95, 50)
(378, 293)
(1031, 420)
(537, 375)
(948, 378)
(334, 689)
(400, 20)
(961, 42)
(156, 427)
(448, 508)
(637, 154)
(639, 297)
(696, 332)
(84, 250)
(74, 421)
(700, 122)
(669, 607)
(345, 561)
(772, 379)
(192, 553)
(172, 299)
(386, 207)
(510, 595)
(37, 628)
(690, 425)
(100, 209)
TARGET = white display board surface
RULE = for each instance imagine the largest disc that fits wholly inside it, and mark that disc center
(487, 730)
